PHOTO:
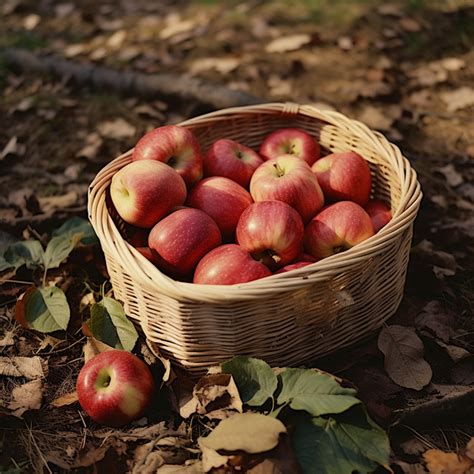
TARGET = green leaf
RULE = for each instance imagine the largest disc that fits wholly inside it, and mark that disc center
(254, 379)
(4, 264)
(58, 249)
(43, 309)
(109, 324)
(29, 253)
(339, 445)
(76, 226)
(315, 392)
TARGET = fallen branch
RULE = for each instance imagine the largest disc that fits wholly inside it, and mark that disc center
(130, 83)
(454, 403)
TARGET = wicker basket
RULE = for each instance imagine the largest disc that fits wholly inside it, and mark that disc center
(289, 318)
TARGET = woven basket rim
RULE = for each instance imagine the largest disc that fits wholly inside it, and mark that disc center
(150, 277)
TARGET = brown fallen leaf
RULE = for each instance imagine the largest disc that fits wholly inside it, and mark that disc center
(94, 347)
(453, 177)
(92, 146)
(436, 321)
(28, 367)
(54, 203)
(410, 468)
(459, 98)
(439, 462)
(288, 43)
(30, 22)
(216, 396)
(404, 362)
(427, 251)
(175, 26)
(409, 24)
(12, 148)
(222, 65)
(116, 129)
(380, 118)
(66, 399)
(456, 353)
(26, 397)
(7, 339)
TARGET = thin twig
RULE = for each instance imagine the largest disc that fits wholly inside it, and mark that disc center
(64, 348)
(35, 444)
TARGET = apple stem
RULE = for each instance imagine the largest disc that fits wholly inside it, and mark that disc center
(172, 161)
(268, 257)
(239, 154)
(280, 171)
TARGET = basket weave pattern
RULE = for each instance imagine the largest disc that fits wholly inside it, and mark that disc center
(289, 318)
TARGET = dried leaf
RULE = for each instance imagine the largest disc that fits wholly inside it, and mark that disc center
(7, 339)
(31, 21)
(91, 149)
(453, 64)
(28, 367)
(54, 203)
(117, 39)
(12, 148)
(439, 462)
(116, 129)
(380, 119)
(456, 353)
(459, 98)
(26, 397)
(215, 396)
(409, 24)
(222, 65)
(426, 250)
(453, 177)
(177, 26)
(66, 399)
(288, 43)
(403, 351)
(435, 320)
(94, 347)
(249, 432)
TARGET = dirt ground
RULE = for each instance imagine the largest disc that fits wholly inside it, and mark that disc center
(405, 68)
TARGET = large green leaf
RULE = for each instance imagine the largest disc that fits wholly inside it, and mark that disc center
(254, 379)
(315, 392)
(76, 226)
(28, 252)
(43, 309)
(58, 250)
(341, 444)
(109, 324)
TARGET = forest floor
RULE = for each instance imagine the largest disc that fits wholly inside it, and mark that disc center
(405, 68)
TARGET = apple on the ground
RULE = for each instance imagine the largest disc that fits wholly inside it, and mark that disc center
(337, 228)
(344, 176)
(228, 265)
(174, 145)
(379, 212)
(145, 191)
(222, 199)
(292, 141)
(232, 160)
(181, 239)
(272, 232)
(288, 180)
(115, 387)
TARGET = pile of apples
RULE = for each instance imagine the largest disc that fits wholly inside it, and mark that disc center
(253, 214)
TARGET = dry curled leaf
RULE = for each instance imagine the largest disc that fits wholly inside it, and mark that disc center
(94, 347)
(459, 98)
(453, 177)
(116, 129)
(288, 43)
(66, 399)
(54, 203)
(26, 397)
(28, 367)
(439, 462)
(12, 148)
(403, 351)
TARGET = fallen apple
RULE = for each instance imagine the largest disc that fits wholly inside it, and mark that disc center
(115, 388)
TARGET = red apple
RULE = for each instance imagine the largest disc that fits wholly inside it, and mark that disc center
(222, 199)
(228, 265)
(336, 228)
(115, 387)
(379, 212)
(232, 160)
(288, 180)
(181, 239)
(293, 266)
(292, 141)
(344, 177)
(143, 192)
(272, 232)
(174, 145)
